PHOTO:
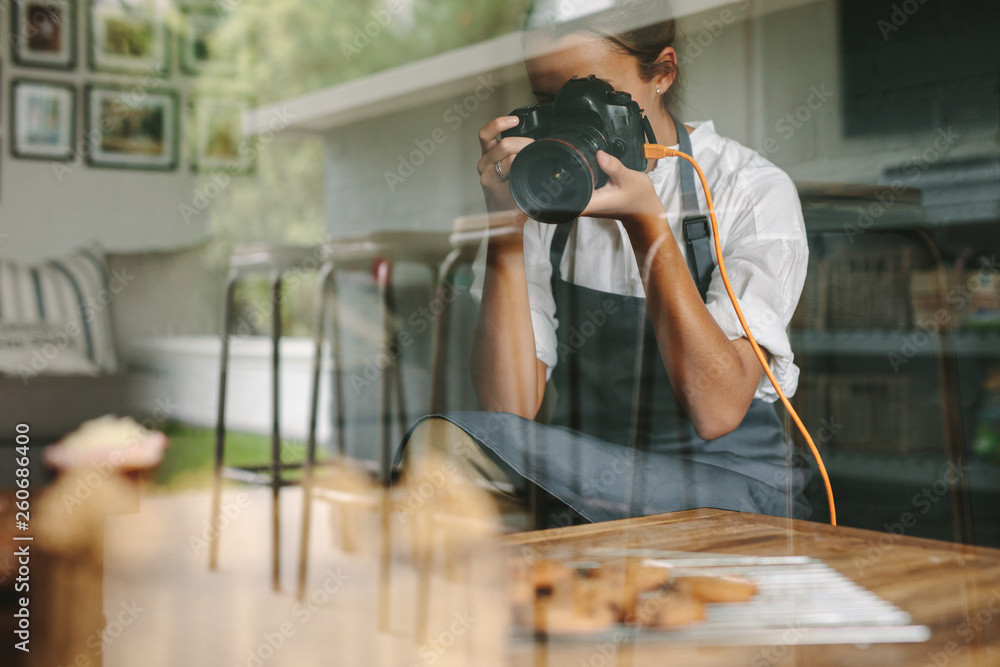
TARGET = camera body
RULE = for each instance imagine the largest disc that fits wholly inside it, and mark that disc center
(553, 179)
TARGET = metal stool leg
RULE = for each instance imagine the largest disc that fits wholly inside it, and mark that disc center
(337, 372)
(276, 477)
(220, 423)
(439, 341)
(325, 275)
(382, 280)
(397, 380)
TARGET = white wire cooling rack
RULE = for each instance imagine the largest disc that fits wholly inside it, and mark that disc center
(800, 600)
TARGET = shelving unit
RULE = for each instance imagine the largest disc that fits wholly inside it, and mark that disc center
(917, 470)
(876, 342)
(913, 393)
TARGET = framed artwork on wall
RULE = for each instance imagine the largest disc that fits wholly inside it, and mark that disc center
(43, 33)
(131, 129)
(216, 135)
(128, 37)
(200, 52)
(42, 119)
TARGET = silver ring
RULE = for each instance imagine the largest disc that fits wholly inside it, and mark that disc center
(503, 176)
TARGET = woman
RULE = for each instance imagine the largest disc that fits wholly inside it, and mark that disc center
(569, 303)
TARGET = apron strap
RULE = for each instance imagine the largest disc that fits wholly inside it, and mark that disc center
(697, 235)
(557, 249)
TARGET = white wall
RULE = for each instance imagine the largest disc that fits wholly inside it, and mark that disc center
(43, 215)
(444, 186)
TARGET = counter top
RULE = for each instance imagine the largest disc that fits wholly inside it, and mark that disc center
(952, 589)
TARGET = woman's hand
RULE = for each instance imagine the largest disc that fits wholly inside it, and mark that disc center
(628, 195)
(499, 151)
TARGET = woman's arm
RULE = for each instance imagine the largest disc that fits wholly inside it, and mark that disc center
(506, 373)
(714, 378)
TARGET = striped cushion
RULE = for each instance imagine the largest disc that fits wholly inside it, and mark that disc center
(65, 305)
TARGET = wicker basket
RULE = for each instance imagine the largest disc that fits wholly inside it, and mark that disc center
(812, 309)
(928, 293)
(870, 289)
(873, 412)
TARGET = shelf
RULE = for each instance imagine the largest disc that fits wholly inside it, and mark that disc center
(906, 343)
(908, 469)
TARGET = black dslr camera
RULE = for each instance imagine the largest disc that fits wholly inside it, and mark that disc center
(553, 179)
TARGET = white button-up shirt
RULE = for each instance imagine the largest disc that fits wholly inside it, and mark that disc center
(763, 239)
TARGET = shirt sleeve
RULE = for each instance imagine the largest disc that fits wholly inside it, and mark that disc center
(766, 254)
(538, 270)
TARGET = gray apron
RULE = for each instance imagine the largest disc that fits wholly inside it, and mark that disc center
(619, 444)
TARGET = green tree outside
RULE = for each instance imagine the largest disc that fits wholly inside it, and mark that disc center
(290, 47)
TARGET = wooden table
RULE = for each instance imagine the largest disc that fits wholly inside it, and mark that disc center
(952, 589)
(155, 561)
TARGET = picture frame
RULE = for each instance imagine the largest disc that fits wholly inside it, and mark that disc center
(198, 53)
(132, 129)
(43, 33)
(42, 119)
(129, 37)
(216, 135)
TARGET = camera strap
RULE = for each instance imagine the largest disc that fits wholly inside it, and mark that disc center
(697, 234)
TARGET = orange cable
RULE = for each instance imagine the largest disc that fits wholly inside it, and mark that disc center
(656, 152)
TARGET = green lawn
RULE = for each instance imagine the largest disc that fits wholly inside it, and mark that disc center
(188, 460)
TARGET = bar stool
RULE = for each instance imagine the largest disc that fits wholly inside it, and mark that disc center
(276, 261)
(378, 251)
(467, 236)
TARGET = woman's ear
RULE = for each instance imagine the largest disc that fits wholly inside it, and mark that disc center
(667, 64)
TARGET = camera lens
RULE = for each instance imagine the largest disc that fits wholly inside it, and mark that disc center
(553, 179)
